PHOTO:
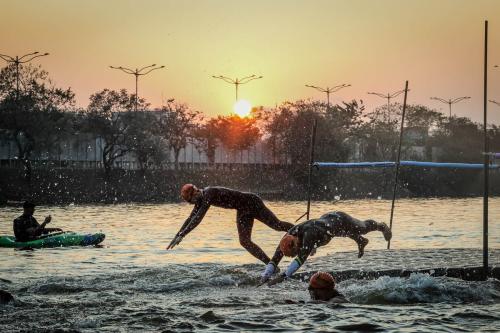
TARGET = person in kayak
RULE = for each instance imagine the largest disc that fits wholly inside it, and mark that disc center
(302, 240)
(248, 207)
(27, 228)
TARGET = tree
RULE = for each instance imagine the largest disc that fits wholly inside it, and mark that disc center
(289, 126)
(109, 115)
(206, 139)
(35, 117)
(459, 139)
(177, 126)
(235, 133)
(381, 133)
(143, 139)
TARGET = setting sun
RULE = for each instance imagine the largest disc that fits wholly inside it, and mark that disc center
(242, 108)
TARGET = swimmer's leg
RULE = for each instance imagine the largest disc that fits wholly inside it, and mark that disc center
(266, 216)
(245, 225)
(362, 242)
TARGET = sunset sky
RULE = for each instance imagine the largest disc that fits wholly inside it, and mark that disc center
(373, 45)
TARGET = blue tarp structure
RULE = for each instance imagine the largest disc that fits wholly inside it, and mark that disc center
(353, 165)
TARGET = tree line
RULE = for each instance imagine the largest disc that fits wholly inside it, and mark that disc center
(40, 115)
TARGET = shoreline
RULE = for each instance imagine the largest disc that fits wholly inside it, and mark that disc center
(83, 186)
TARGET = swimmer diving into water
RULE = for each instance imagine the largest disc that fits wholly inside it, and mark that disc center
(248, 207)
(302, 240)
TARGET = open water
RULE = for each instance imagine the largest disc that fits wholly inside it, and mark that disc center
(209, 282)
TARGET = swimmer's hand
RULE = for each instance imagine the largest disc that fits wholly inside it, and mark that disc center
(277, 280)
(268, 272)
(177, 239)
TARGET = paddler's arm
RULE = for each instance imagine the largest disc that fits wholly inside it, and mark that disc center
(36, 229)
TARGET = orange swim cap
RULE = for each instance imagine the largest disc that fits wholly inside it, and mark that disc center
(322, 280)
(288, 245)
(187, 192)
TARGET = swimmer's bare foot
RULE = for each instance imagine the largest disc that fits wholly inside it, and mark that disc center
(387, 232)
(361, 246)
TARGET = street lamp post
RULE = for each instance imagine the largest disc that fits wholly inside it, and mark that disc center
(450, 102)
(388, 97)
(18, 60)
(138, 72)
(237, 81)
(328, 91)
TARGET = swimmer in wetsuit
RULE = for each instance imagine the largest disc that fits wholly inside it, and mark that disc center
(248, 207)
(303, 239)
(322, 288)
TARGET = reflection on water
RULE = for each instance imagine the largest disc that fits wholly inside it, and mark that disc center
(136, 235)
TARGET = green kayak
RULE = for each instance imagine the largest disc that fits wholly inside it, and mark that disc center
(55, 240)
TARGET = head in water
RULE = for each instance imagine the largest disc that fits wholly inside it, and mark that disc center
(29, 207)
(190, 193)
(289, 245)
(322, 286)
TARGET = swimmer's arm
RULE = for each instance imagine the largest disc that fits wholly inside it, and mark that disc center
(193, 213)
(292, 268)
(197, 215)
(195, 219)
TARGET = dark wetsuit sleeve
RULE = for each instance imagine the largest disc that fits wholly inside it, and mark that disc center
(308, 243)
(193, 213)
(195, 218)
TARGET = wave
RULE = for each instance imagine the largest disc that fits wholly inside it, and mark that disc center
(421, 288)
(213, 278)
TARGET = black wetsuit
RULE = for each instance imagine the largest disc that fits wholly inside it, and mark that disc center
(21, 226)
(249, 206)
(318, 232)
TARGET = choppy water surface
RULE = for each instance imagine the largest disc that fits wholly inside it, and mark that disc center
(209, 282)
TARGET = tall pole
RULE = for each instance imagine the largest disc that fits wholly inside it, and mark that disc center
(311, 163)
(237, 81)
(18, 60)
(396, 174)
(138, 72)
(136, 91)
(328, 91)
(486, 157)
(389, 96)
(450, 101)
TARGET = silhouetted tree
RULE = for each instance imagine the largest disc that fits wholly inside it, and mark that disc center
(459, 140)
(36, 116)
(109, 115)
(235, 133)
(206, 139)
(177, 126)
(288, 130)
(143, 139)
